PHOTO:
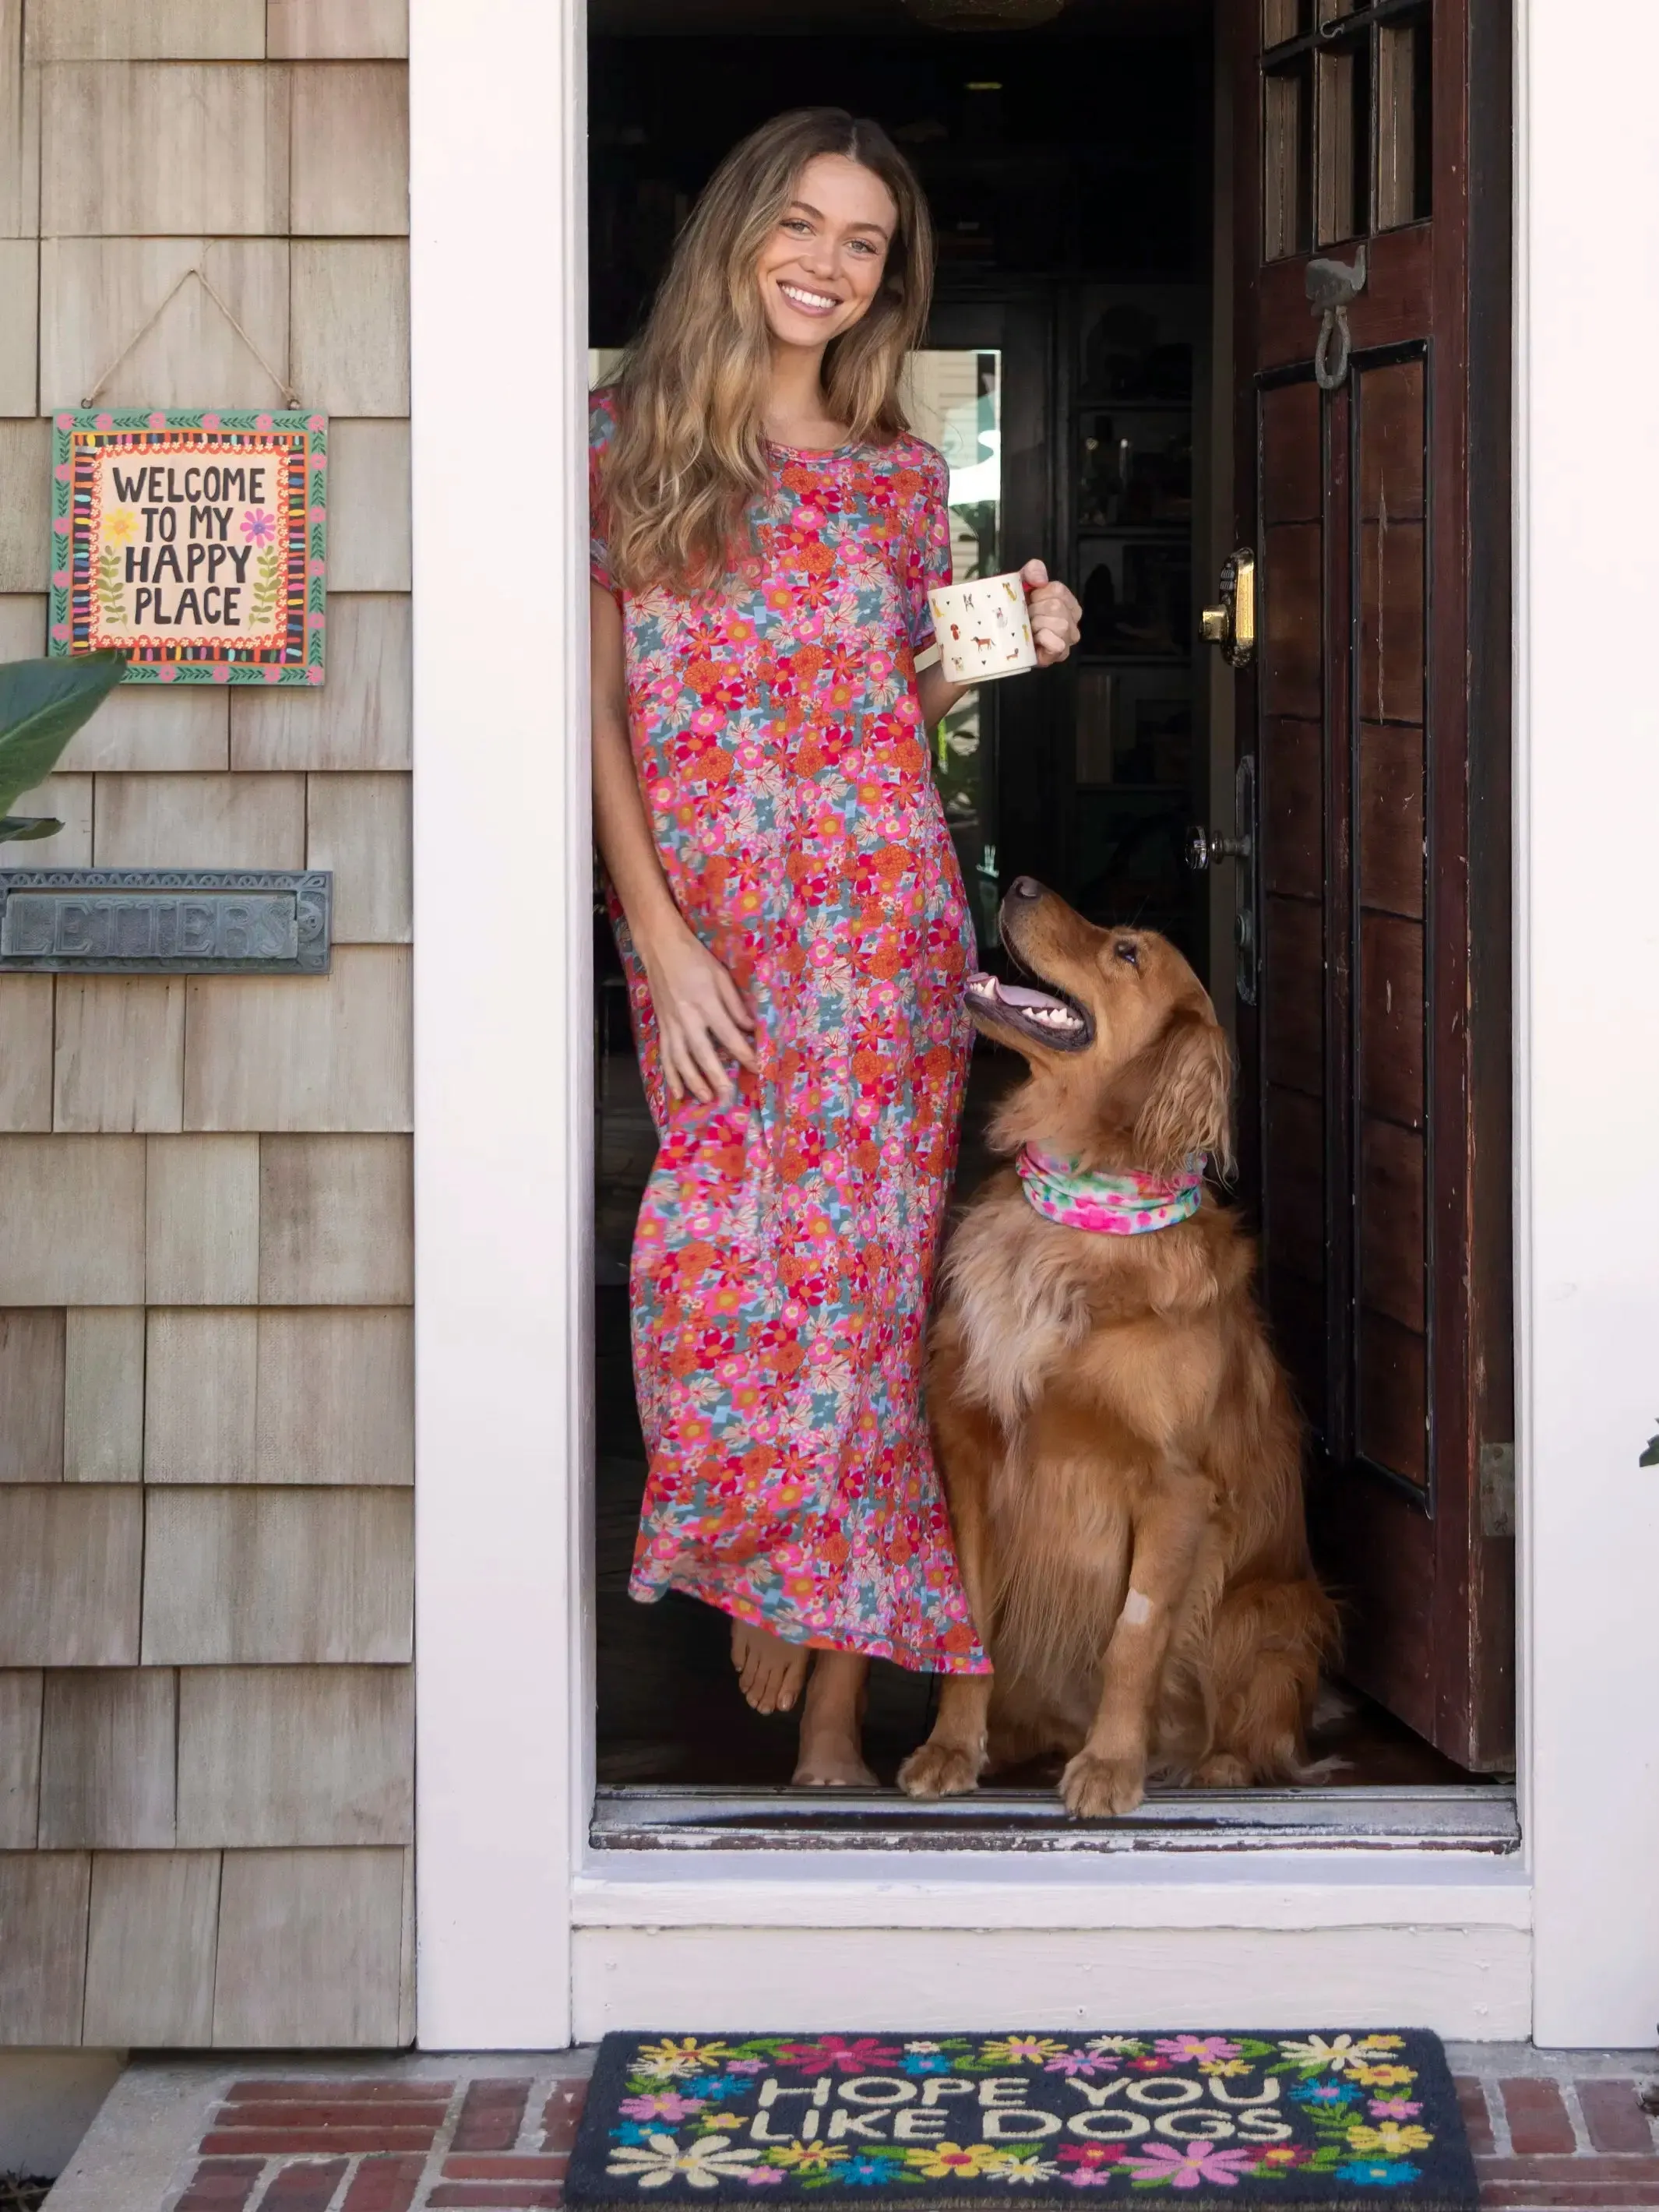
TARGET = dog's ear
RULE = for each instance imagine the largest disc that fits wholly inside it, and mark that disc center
(1188, 1103)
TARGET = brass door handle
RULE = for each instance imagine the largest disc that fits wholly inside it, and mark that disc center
(1233, 624)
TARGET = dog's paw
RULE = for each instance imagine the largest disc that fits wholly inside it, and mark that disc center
(1095, 1788)
(941, 1770)
(1222, 1769)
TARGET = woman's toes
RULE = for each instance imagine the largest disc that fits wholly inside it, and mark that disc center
(791, 1673)
(769, 1671)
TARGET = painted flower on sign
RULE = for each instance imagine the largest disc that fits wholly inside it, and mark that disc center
(864, 2171)
(704, 2164)
(1185, 2168)
(258, 527)
(1319, 2054)
(121, 526)
(1390, 2139)
(807, 2157)
(680, 2055)
(1196, 2047)
(1332, 2094)
(946, 2161)
(857, 2054)
(660, 2105)
(1022, 2171)
(1022, 2050)
(1072, 2063)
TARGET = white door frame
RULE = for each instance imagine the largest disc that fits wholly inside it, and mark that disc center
(524, 1941)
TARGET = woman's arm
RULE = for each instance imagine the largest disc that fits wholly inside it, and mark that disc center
(936, 694)
(700, 1010)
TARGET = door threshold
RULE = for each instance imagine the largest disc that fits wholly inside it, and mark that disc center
(1459, 1817)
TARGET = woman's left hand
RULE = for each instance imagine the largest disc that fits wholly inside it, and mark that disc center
(1055, 613)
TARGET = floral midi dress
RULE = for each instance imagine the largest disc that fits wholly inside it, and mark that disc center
(785, 1249)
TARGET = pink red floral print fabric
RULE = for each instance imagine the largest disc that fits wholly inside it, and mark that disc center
(784, 1255)
(1106, 1205)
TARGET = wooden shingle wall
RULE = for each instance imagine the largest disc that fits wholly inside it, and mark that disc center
(206, 1345)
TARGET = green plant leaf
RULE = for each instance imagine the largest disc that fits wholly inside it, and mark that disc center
(19, 828)
(1650, 1456)
(42, 704)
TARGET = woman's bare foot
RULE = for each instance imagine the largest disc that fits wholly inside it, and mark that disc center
(831, 1725)
(769, 1671)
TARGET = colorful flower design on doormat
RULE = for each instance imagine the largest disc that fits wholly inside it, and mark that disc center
(195, 542)
(1336, 2118)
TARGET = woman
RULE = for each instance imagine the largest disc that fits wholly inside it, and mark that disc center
(791, 914)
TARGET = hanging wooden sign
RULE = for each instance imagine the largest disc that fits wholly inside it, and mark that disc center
(194, 541)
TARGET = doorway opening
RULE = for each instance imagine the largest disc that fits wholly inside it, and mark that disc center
(1082, 375)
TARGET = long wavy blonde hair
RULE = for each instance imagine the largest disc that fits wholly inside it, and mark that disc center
(688, 456)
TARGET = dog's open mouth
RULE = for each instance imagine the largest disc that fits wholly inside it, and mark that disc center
(1048, 1017)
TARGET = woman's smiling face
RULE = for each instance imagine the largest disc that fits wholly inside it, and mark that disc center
(823, 265)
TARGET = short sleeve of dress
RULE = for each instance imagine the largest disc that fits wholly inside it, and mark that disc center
(928, 562)
(601, 429)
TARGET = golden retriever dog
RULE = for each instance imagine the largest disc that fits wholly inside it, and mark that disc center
(1117, 1441)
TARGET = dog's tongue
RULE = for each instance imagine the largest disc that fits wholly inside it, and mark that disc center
(1012, 995)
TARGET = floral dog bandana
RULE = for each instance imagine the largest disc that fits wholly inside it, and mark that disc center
(1107, 1204)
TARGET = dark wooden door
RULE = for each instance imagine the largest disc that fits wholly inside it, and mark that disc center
(1375, 1003)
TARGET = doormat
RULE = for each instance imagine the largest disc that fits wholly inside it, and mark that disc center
(1336, 2119)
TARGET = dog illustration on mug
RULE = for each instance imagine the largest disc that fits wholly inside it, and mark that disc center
(988, 631)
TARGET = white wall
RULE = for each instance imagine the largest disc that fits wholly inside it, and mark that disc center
(1588, 1161)
(498, 250)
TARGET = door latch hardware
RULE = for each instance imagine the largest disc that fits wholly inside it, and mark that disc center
(1332, 287)
(1233, 624)
(1498, 1490)
(1203, 851)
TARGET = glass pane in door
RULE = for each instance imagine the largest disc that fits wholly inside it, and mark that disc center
(954, 400)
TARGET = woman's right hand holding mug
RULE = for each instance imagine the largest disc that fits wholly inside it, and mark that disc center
(702, 1019)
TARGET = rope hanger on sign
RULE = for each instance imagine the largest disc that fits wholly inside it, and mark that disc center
(282, 380)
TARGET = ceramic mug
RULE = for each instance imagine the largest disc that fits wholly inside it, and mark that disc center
(984, 629)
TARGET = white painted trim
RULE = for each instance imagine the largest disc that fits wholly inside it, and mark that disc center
(1469, 1982)
(1589, 1212)
(498, 262)
(1315, 1890)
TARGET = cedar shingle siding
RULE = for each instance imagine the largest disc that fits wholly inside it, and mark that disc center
(206, 1349)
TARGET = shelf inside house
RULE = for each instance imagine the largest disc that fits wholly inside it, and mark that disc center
(1136, 741)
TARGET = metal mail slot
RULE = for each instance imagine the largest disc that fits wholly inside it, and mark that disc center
(171, 921)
